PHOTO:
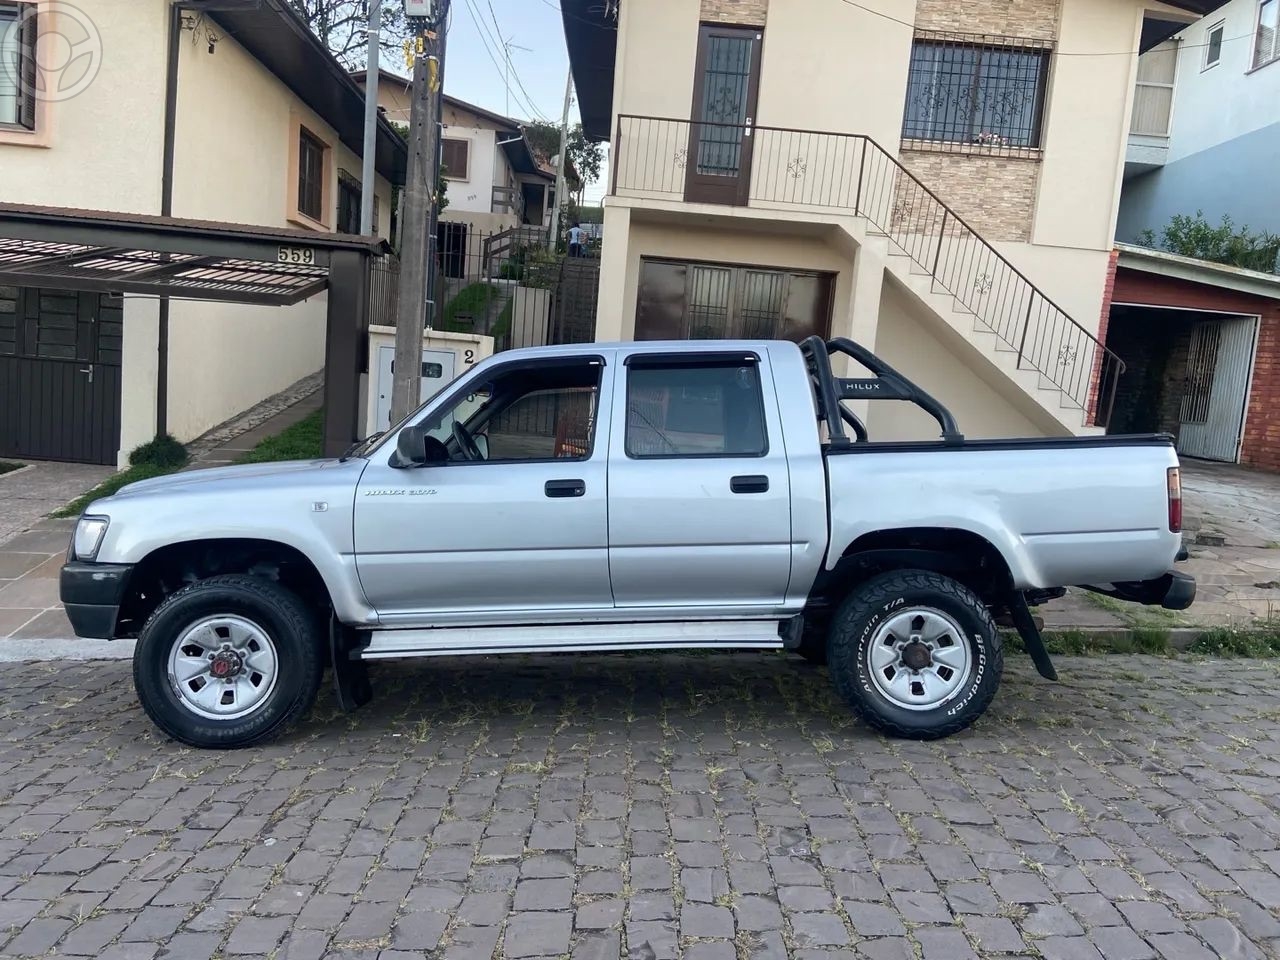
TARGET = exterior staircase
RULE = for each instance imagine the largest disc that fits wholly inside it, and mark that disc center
(1005, 321)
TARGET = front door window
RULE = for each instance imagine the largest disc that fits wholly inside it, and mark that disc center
(544, 411)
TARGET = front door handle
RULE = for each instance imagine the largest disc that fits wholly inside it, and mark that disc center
(754, 483)
(565, 488)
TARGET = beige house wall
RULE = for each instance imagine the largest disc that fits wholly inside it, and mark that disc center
(739, 241)
(908, 339)
(100, 150)
(235, 161)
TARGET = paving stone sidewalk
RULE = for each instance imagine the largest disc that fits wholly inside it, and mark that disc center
(704, 807)
(29, 561)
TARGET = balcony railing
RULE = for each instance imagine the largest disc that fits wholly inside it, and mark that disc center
(780, 168)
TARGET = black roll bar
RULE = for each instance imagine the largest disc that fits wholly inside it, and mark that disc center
(887, 384)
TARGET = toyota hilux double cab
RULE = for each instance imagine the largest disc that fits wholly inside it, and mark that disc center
(713, 495)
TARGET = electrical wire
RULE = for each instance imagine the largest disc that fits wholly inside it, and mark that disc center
(1056, 53)
(514, 73)
(486, 38)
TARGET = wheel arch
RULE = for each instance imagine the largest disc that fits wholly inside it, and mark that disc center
(169, 568)
(967, 557)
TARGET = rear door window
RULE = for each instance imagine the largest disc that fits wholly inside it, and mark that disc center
(710, 408)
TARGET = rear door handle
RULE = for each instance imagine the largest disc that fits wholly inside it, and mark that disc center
(565, 488)
(753, 483)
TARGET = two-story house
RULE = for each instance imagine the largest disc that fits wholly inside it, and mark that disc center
(227, 112)
(1206, 124)
(936, 180)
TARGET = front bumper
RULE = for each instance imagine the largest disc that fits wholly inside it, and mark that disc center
(91, 594)
(1173, 591)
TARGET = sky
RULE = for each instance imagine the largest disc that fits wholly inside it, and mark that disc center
(537, 74)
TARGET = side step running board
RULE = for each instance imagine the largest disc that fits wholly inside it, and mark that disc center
(563, 638)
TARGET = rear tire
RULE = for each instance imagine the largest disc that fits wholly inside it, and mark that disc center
(916, 654)
(228, 662)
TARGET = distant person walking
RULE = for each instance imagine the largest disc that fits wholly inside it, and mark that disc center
(575, 240)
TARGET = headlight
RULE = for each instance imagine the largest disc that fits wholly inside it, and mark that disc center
(88, 537)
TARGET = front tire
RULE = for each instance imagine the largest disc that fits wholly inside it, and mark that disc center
(228, 662)
(916, 654)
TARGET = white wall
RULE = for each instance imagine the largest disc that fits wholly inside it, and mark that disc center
(475, 194)
(1211, 106)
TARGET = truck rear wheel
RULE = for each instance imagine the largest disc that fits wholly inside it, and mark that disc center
(916, 654)
(228, 662)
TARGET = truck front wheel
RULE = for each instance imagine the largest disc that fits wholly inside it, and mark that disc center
(228, 662)
(915, 653)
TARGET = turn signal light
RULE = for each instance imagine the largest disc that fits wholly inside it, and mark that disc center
(1175, 500)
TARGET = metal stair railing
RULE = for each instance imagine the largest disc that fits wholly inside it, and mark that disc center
(777, 166)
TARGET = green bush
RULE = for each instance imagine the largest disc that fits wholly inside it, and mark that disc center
(163, 451)
(1193, 236)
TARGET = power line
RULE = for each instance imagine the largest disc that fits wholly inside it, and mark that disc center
(486, 38)
(1055, 52)
(506, 50)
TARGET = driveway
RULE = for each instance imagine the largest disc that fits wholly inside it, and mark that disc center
(708, 807)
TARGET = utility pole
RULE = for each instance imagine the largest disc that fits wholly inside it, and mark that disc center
(368, 164)
(562, 165)
(419, 202)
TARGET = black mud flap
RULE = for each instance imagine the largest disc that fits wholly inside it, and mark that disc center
(1030, 634)
(350, 677)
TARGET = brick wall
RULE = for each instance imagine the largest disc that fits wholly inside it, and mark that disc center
(747, 13)
(1261, 446)
(994, 195)
(1100, 366)
(1037, 19)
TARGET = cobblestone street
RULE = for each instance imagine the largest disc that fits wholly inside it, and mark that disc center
(698, 806)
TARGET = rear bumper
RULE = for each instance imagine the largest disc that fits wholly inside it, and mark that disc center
(1173, 591)
(91, 594)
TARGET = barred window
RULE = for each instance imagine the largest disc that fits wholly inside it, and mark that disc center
(990, 92)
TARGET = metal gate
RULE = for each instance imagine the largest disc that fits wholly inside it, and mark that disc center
(60, 353)
(1219, 364)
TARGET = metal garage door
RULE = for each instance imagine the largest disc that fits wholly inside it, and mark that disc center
(59, 375)
(1219, 364)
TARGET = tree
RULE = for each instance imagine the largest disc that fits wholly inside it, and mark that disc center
(340, 25)
(584, 155)
(1190, 236)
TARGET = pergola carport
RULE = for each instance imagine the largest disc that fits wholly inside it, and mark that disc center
(166, 257)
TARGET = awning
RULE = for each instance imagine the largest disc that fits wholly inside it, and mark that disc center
(168, 257)
(165, 256)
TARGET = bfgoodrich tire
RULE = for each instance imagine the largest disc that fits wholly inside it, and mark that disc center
(228, 662)
(916, 654)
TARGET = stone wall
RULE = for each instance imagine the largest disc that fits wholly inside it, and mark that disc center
(995, 195)
(1036, 19)
(747, 13)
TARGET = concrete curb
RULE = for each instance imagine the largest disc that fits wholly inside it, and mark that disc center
(1179, 638)
(17, 651)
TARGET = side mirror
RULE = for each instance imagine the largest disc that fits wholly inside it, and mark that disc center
(482, 444)
(415, 446)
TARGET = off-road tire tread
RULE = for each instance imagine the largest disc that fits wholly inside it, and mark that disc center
(297, 617)
(862, 602)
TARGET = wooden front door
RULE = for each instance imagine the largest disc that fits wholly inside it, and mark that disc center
(726, 82)
(60, 357)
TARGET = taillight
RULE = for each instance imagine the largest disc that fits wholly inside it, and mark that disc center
(1175, 500)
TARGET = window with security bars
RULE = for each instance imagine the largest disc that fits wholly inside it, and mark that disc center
(18, 26)
(977, 90)
(1266, 44)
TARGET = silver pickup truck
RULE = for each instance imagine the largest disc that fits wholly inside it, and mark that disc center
(638, 496)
